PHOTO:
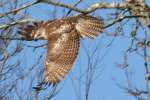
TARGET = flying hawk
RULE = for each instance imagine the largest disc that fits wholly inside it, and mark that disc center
(63, 36)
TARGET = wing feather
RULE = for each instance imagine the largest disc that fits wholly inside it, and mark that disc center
(88, 26)
(57, 68)
(63, 45)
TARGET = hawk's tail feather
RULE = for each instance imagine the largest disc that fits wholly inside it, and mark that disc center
(89, 26)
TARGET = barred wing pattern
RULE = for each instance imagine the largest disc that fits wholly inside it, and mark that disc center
(57, 66)
(63, 37)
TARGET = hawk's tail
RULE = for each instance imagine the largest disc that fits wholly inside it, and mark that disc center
(89, 26)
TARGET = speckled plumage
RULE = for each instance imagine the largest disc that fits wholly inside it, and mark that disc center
(63, 37)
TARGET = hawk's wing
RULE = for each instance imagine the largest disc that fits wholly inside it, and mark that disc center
(71, 28)
(62, 52)
(88, 26)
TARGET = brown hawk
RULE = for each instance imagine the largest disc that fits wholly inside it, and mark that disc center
(63, 37)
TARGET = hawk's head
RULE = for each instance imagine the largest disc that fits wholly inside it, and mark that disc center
(33, 32)
(39, 34)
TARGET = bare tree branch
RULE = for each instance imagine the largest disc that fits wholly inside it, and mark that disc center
(16, 10)
(91, 8)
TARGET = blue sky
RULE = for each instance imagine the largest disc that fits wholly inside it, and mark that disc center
(107, 74)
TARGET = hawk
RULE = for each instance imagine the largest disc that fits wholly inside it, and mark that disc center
(63, 36)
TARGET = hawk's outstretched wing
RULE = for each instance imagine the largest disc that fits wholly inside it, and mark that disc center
(63, 42)
(88, 26)
(62, 51)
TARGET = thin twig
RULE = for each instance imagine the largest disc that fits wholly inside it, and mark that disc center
(119, 19)
(16, 10)
(15, 23)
